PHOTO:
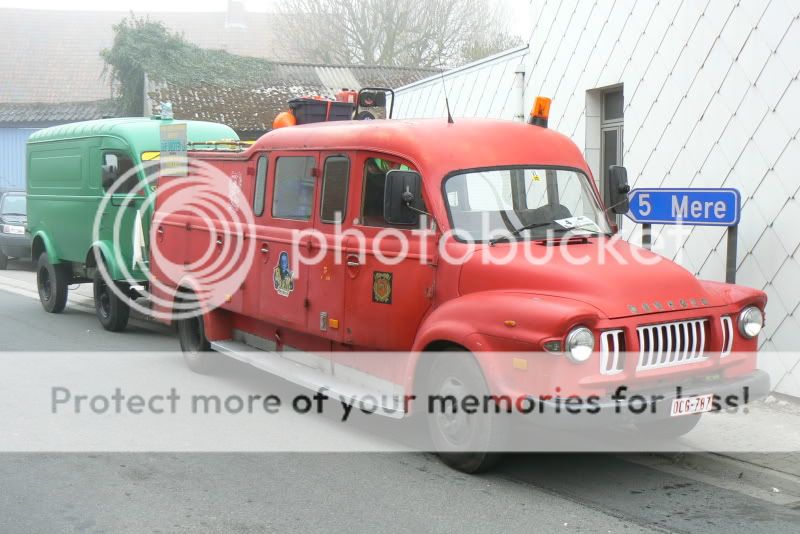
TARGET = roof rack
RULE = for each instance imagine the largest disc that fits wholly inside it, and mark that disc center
(229, 145)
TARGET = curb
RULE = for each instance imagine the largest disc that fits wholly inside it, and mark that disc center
(780, 486)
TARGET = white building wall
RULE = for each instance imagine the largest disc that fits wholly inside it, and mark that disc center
(712, 99)
(480, 89)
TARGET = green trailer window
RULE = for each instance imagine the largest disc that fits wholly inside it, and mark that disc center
(127, 175)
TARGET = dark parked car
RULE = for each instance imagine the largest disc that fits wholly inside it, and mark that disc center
(15, 242)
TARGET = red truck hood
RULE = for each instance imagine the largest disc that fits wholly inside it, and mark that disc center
(614, 281)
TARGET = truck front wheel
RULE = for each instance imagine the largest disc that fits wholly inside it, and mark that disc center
(52, 282)
(112, 311)
(463, 441)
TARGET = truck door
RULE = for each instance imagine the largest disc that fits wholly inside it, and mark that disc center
(326, 275)
(389, 284)
(121, 224)
(283, 280)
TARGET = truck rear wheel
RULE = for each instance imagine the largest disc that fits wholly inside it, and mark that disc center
(462, 441)
(112, 311)
(52, 281)
(196, 349)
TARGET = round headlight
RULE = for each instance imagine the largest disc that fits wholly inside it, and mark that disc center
(751, 321)
(580, 344)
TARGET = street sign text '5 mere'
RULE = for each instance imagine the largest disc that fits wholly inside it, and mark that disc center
(704, 207)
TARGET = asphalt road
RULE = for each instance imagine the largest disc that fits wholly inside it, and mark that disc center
(408, 492)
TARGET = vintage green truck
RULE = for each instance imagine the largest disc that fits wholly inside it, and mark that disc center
(70, 170)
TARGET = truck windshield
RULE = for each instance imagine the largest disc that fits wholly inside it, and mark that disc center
(522, 203)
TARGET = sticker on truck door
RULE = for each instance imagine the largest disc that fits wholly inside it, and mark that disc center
(282, 276)
(382, 287)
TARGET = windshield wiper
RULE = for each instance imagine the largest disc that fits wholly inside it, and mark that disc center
(518, 231)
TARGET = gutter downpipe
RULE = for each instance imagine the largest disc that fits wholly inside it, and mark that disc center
(518, 93)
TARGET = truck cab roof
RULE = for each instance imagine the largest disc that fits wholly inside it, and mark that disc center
(435, 146)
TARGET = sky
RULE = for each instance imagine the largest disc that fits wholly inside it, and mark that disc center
(136, 5)
(516, 24)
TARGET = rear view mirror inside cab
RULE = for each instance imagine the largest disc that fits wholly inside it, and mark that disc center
(402, 197)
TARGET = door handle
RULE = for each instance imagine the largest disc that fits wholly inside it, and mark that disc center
(352, 261)
(160, 230)
(265, 249)
(219, 241)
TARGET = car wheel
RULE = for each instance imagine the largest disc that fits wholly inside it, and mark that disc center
(53, 284)
(195, 346)
(112, 311)
(464, 442)
(674, 427)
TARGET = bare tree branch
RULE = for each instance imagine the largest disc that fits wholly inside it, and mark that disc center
(411, 33)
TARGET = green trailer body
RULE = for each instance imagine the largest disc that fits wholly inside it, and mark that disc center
(65, 191)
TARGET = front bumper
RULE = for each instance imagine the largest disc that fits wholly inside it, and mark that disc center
(15, 246)
(636, 405)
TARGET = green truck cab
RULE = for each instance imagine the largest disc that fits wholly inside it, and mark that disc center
(70, 170)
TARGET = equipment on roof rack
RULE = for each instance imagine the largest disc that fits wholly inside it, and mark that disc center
(372, 97)
(346, 106)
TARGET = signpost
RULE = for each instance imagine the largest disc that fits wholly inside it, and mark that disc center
(694, 207)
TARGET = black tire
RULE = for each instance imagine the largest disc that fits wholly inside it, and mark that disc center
(112, 312)
(196, 349)
(53, 284)
(3, 261)
(468, 445)
(674, 427)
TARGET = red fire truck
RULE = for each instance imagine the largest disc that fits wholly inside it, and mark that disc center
(452, 248)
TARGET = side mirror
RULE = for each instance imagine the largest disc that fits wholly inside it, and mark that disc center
(618, 189)
(402, 193)
(110, 175)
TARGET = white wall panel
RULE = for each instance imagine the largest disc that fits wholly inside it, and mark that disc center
(712, 99)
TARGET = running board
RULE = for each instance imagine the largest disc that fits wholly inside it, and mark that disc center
(311, 378)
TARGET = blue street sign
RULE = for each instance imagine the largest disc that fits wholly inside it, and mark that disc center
(702, 207)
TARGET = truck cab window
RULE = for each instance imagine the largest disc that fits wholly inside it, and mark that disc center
(375, 170)
(126, 177)
(334, 189)
(261, 186)
(293, 196)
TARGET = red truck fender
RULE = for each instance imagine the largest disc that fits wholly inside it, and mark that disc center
(508, 321)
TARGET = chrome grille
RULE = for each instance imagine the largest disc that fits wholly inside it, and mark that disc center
(612, 351)
(670, 344)
(727, 335)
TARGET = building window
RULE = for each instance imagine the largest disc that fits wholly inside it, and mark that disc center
(611, 135)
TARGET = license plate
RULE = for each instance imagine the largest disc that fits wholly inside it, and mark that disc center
(692, 405)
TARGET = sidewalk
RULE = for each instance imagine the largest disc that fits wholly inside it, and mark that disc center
(785, 462)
